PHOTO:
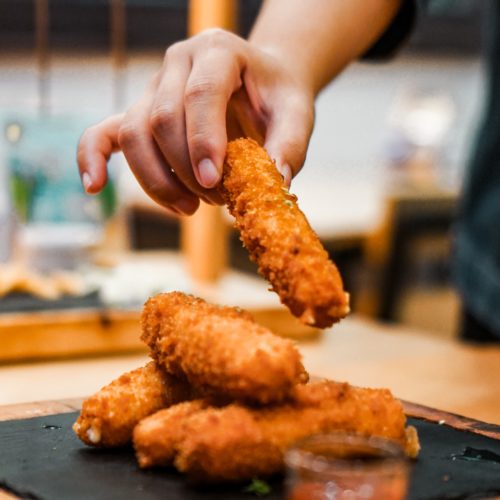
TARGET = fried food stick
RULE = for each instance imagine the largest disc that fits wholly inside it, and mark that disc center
(108, 417)
(236, 442)
(220, 350)
(156, 436)
(279, 238)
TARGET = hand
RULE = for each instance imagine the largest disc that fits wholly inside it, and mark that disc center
(211, 87)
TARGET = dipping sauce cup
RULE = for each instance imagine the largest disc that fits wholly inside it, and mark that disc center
(342, 466)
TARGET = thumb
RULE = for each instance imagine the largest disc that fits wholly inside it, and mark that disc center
(288, 134)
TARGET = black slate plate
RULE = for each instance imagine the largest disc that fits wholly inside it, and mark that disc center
(40, 458)
(24, 302)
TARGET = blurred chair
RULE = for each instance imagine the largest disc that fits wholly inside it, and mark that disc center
(407, 263)
(152, 228)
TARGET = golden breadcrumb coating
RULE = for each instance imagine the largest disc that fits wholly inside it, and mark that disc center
(154, 446)
(237, 442)
(220, 350)
(108, 417)
(279, 238)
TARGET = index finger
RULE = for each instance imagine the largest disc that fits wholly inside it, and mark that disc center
(96, 146)
(212, 81)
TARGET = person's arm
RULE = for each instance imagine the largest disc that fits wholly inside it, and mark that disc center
(316, 39)
(174, 138)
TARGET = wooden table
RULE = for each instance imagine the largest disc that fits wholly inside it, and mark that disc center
(437, 373)
(446, 375)
(107, 330)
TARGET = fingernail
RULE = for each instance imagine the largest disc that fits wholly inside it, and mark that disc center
(286, 173)
(86, 181)
(208, 173)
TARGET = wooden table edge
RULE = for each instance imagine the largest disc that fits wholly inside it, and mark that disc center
(39, 408)
(451, 419)
(53, 407)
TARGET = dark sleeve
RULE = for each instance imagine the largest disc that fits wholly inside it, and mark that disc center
(396, 33)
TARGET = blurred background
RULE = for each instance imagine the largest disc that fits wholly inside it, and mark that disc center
(380, 183)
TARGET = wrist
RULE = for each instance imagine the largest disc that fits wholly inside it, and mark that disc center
(297, 73)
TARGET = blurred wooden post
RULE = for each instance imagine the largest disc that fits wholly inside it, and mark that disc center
(118, 51)
(204, 235)
(204, 14)
(42, 52)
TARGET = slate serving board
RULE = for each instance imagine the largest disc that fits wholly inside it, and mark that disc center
(40, 458)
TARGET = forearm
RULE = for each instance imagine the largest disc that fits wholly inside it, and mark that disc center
(175, 136)
(316, 39)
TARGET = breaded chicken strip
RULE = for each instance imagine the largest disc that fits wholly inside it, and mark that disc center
(220, 350)
(236, 442)
(279, 238)
(108, 417)
(155, 437)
